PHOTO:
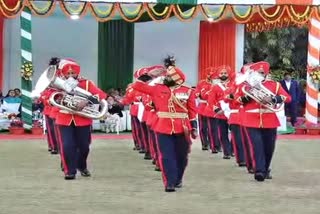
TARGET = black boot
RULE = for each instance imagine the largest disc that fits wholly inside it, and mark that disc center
(242, 164)
(54, 152)
(214, 151)
(204, 148)
(147, 156)
(157, 168)
(170, 189)
(179, 185)
(259, 176)
(70, 177)
(85, 173)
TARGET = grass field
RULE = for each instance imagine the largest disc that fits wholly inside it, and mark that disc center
(123, 183)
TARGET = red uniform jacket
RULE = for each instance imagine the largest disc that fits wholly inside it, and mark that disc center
(217, 94)
(148, 110)
(145, 99)
(256, 115)
(152, 119)
(44, 98)
(175, 107)
(54, 112)
(205, 94)
(132, 97)
(64, 118)
(152, 114)
(202, 87)
(234, 105)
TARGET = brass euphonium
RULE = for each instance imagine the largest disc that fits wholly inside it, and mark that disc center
(69, 95)
(254, 89)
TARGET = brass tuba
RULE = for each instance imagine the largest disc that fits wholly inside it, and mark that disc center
(254, 89)
(69, 95)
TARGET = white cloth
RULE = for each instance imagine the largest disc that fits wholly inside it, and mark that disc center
(225, 108)
(288, 84)
(140, 111)
(113, 123)
(11, 107)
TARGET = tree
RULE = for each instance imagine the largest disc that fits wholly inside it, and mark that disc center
(285, 49)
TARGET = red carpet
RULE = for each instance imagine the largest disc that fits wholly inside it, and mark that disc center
(128, 136)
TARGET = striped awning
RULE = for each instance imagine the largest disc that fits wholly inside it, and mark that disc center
(259, 15)
(229, 2)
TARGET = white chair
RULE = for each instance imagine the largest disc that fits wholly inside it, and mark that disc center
(96, 125)
(128, 120)
(113, 123)
(123, 121)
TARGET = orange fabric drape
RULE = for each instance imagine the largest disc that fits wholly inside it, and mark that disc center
(217, 46)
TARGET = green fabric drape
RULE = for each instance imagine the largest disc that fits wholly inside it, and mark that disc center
(115, 54)
(116, 49)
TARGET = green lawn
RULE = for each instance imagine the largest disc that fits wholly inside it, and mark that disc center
(122, 182)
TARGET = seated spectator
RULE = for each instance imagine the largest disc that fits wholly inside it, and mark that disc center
(11, 97)
(17, 91)
(11, 103)
(113, 116)
(114, 107)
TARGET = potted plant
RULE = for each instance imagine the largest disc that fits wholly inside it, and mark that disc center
(300, 127)
(313, 129)
(16, 125)
(37, 128)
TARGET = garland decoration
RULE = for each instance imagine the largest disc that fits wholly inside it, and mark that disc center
(27, 71)
(314, 72)
(272, 17)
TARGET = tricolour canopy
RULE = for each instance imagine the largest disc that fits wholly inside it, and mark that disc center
(257, 14)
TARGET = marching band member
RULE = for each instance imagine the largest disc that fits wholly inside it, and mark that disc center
(234, 123)
(203, 87)
(176, 111)
(50, 125)
(245, 141)
(75, 130)
(215, 146)
(216, 95)
(149, 111)
(130, 99)
(145, 99)
(152, 116)
(153, 136)
(261, 122)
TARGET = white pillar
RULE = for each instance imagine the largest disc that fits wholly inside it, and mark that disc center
(239, 46)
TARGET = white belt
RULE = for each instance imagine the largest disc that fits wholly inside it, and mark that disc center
(64, 112)
(259, 111)
(172, 115)
(234, 110)
(202, 101)
(136, 103)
